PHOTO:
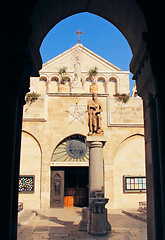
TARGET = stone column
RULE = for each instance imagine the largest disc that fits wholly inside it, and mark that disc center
(153, 170)
(159, 100)
(96, 211)
(96, 165)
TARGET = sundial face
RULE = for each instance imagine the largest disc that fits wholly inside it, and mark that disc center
(71, 149)
(76, 149)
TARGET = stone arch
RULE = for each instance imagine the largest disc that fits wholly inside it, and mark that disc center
(43, 78)
(130, 136)
(68, 82)
(30, 164)
(114, 12)
(24, 131)
(54, 76)
(101, 76)
(68, 136)
(101, 82)
(53, 84)
(61, 151)
(29, 29)
(128, 162)
(43, 83)
(113, 84)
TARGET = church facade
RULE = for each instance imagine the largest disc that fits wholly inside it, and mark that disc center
(54, 155)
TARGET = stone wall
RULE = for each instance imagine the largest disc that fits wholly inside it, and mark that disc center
(57, 116)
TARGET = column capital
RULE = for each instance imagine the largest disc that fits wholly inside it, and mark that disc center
(96, 141)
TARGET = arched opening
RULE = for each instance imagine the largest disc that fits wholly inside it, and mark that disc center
(30, 172)
(43, 84)
(65, 170)
(53, 85)
(129, 172)
(30, 26)
(113, 86)
(101, 84)
(112, 15)
(68, 83)
(70, 159)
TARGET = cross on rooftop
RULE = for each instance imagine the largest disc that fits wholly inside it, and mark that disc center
(79, 34)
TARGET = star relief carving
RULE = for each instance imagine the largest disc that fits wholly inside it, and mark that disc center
(76, 113)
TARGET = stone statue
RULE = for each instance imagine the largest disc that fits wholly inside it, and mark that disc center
(94, 116)
(77, 72)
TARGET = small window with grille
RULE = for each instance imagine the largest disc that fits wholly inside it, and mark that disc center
(134, 184)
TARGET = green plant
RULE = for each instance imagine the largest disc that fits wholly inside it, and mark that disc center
(62, 72)
(92, 74)
(31, 97)
(122, 97)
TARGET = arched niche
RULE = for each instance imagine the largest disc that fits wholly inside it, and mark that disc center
(129, 161)
(30, 164)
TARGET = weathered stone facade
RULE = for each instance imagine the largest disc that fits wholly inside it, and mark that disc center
(56, 115)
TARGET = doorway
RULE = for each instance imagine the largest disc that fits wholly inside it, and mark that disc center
(72, 186)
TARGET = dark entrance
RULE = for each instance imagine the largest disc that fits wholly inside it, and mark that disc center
(75, 185)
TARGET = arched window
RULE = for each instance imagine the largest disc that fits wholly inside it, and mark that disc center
(53, 84)
(55, 79)
(43, 79)
(67, 79)
(43, 85)
(112, 80)
(68, 84)
(101, 84)
(101, 79)
(71, 149)
(112, 86)
(88, 79)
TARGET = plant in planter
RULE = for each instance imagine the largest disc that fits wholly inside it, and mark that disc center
(92, 74)
(122, 97)
(62, 72)
(31, 97)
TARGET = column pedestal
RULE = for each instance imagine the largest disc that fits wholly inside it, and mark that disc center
(94, 218)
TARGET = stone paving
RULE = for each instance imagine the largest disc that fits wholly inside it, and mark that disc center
(62, 224)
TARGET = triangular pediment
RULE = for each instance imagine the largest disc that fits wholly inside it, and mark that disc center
(87, 58)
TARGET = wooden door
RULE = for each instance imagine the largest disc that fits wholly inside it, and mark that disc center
(57, 189)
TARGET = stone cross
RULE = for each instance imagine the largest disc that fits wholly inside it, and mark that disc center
(79, 34)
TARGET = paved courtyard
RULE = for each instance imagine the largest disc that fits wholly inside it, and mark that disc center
(62, 224)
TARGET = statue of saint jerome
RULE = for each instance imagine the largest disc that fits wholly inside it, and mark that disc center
(94, 116)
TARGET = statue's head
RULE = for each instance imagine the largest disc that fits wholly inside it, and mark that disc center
(94, 97)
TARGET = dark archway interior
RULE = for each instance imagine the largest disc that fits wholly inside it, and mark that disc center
(75, 185)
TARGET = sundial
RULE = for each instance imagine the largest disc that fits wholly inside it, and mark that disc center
(76, 149)
(71, 149)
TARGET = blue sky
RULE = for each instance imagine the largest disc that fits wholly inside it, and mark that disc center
(99, 35)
